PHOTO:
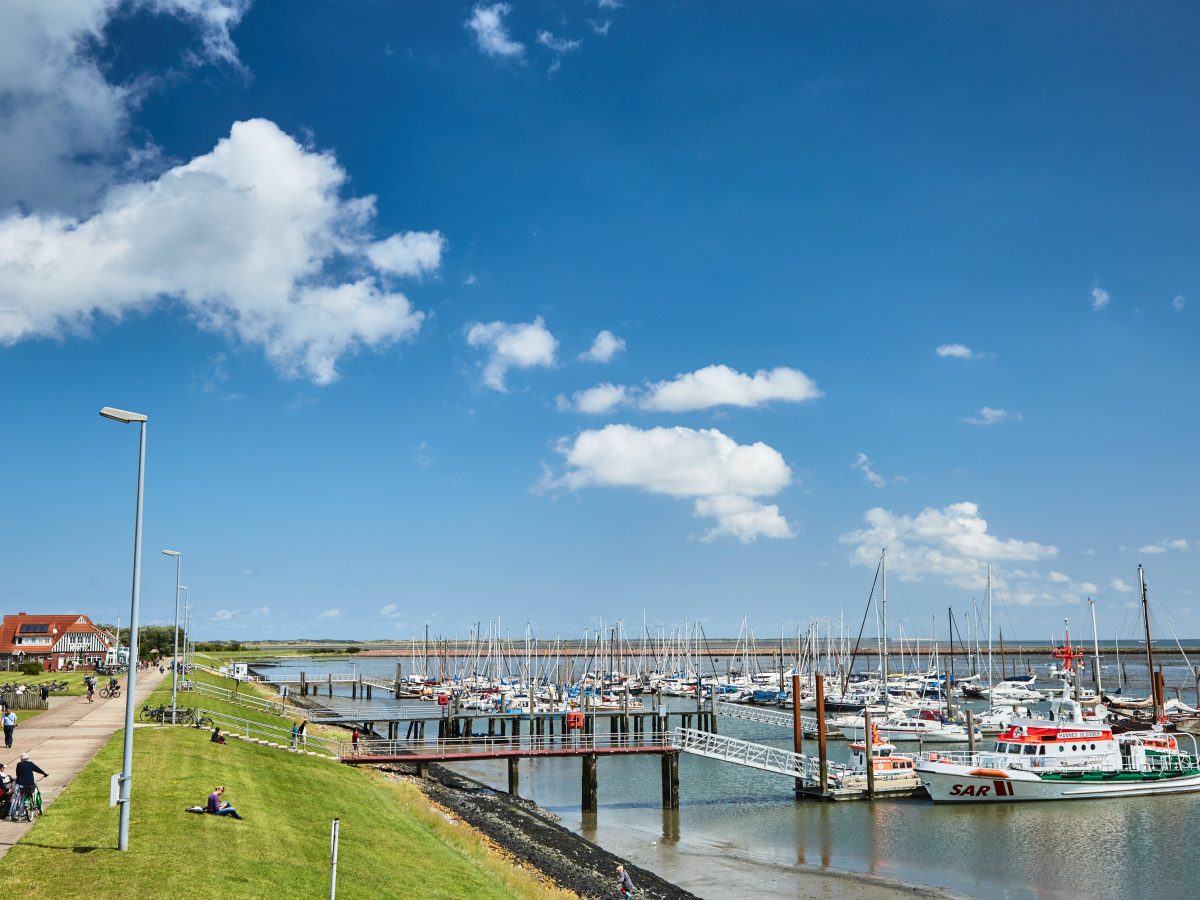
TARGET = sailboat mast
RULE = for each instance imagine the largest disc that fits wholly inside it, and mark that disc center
(884, 664)
(989, 617)
(1096, 647)
(1149, 648)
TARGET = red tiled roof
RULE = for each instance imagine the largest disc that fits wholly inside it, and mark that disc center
(59, 625)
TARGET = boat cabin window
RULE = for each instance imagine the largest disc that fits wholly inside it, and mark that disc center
(1030, 750)
(1042, 750)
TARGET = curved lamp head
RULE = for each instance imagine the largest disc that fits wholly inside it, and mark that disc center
(120, 415)
(172, 553)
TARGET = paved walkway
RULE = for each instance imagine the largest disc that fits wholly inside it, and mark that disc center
(63, 739)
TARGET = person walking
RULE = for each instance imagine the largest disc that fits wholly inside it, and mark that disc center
(624, 883)
(91, 688)
(303, 734)
(295, 734)
(354, 740)
(10, 722)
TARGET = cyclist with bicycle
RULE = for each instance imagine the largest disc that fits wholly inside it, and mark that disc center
(26, 789)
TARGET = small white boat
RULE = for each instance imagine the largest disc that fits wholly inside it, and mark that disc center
(926, 727)
(893, 772)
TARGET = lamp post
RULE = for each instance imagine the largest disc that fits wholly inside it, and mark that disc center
(187, 626)
(120, 415)
(175, 637)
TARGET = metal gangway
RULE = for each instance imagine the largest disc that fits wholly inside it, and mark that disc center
(756, 756)
(765, 716)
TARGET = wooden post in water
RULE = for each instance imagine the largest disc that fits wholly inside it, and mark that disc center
(797, 727)
(329, 684)
(712, 710)
(398, 680)
(970, 731)
(303, 685)
(514, 777)
(869, 742)
(822, 754)
(589, 782)
(670, 779)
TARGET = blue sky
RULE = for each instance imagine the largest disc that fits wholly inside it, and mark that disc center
(922, 276)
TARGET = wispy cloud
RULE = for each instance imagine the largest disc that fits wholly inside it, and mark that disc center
(988, 415)
(334, 613)
(1178, 303)
(487, 25)
(600, 28)
(1100, 298)
(958, 351)
(1164, 545)
(863, 464)
(705, 388)
(1120, 584)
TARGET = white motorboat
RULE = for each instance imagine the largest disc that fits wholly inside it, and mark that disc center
(926, 727)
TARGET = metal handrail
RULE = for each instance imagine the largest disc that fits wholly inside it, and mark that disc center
(1090, 763)
(249, 728)
(756, 756)
(250, 701)
(506, 745)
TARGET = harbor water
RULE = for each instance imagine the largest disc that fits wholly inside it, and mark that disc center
(740, 833)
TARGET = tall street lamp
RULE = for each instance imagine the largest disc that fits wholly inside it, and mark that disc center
(120, 415)
(175, 653)
(187, 626)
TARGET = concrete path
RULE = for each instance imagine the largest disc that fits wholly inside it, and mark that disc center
(63, 739)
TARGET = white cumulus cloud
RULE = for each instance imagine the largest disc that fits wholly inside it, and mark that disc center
(512, 346)
(487, 24)
(724, 479)
(604, 347)
(64, 126)
(595, 401)
(955, 351)
(952, 543)
(710, 387)
(1178, 303)
(988, 415)
(1100, 298)
(1120, 584)
(252, 238)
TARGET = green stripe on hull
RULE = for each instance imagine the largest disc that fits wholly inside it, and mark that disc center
(1089, 777)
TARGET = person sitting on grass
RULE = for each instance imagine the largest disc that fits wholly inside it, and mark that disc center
(217, 737)
(219, 807)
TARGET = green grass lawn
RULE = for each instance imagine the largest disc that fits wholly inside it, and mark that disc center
(392, 843)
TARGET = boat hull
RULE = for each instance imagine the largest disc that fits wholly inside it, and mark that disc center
(954, 783)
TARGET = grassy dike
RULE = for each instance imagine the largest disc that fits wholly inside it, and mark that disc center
(393, 844)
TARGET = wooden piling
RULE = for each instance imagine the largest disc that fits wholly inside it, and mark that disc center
(970, 731)
(869, 741)
(303, 685)
(589, 783)
(670, 780)
(514, 777)
(329, 683)
(822, 749)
